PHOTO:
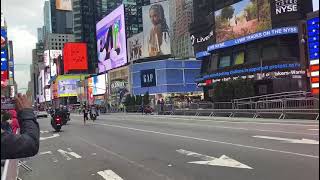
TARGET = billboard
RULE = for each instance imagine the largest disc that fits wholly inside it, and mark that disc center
(68, 85)
(135, 47)
(46, 58)
(241, 19)
(156, 29)
(4, 78)
(90, 91)
(47, 95)
(4, 51)
(75, 57)
(64, 5)
(111, 41)
(99, 84)
(54, 54)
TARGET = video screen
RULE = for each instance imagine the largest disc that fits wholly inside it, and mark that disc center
(111, 41)
(99, 84)
(241, 19)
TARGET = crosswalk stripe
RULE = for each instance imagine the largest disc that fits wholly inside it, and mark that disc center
(109, 175)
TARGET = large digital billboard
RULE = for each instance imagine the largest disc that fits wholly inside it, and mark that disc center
(111, 40)
(65, 5)
(99, 84)
(135, 47)
(75, 57)
(242, 18)
(68, 85)
(156, 29)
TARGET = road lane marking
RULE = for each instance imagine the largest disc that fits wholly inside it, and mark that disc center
(66, 153)
(207, 140)
(42, 132)
(310, 124)
(224, 160)
(313, 129)
(50, 137)
(295, 141)
(109, 175)
(221, 127)
(46, 152)
(125, 159)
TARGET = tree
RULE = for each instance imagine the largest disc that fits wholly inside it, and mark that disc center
(128, 100)
(227, 12)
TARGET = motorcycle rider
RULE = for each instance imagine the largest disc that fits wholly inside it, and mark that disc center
(93, 112)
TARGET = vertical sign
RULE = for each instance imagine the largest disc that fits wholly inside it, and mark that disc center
(313, 52)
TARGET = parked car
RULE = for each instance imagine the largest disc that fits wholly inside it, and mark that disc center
(41, 114)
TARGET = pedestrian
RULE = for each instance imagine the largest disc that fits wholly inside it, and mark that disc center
(162, 105)
(15, 123)
(85, 115)
(5, 122)
(25, 144)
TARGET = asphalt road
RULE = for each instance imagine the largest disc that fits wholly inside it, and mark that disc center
(136, 147)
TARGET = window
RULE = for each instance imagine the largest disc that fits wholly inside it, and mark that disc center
(269, 52)
(238, 58)
(224, 61)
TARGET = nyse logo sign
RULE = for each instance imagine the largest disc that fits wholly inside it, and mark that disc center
(148, 78)
(285, 6)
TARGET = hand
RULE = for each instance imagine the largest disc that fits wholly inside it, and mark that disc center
(22, 102)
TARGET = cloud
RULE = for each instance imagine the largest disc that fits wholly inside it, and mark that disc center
(23, 18)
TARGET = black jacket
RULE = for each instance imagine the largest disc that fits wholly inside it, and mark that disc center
(25, 144)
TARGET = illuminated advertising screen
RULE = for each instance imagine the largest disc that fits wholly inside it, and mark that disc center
(46, 58)
(90, 90)
(135, 47)
(111, 41)
(156, 29)
(99, 84)
(64, 5)
(54, 54)
(75, 57)
(241, 19)
(68, 85)
(47, 95)
(4, 78)
(4, 51)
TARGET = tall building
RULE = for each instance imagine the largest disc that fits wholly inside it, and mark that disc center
(56, 41)
(182, 12)
(57, 21)
(133, 14)
(85, 15)
(47, 17)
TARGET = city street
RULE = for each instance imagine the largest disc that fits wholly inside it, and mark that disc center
(137, 147)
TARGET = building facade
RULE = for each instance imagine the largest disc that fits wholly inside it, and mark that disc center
(260, 44)
(56, 41)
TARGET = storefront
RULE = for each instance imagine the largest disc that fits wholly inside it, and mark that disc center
(166, 79)
(119, 85)
(259, 44)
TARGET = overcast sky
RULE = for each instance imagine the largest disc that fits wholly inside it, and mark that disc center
(23, 18)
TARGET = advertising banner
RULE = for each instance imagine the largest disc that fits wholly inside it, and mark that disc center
(90, 91)
(75, 57)
(241, 19)
(64, 5)
(148, 78)
(135, 47)
(99, 84)
(54, 54)
(156, 29)
(4, 78)
(46, 58)
(68, 85)
(47, 95)
(111, 41)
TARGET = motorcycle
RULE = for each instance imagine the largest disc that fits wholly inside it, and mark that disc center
(93, 116)
(56, 123)
(66, 118)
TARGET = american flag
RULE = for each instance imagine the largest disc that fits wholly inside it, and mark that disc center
(313, 51)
